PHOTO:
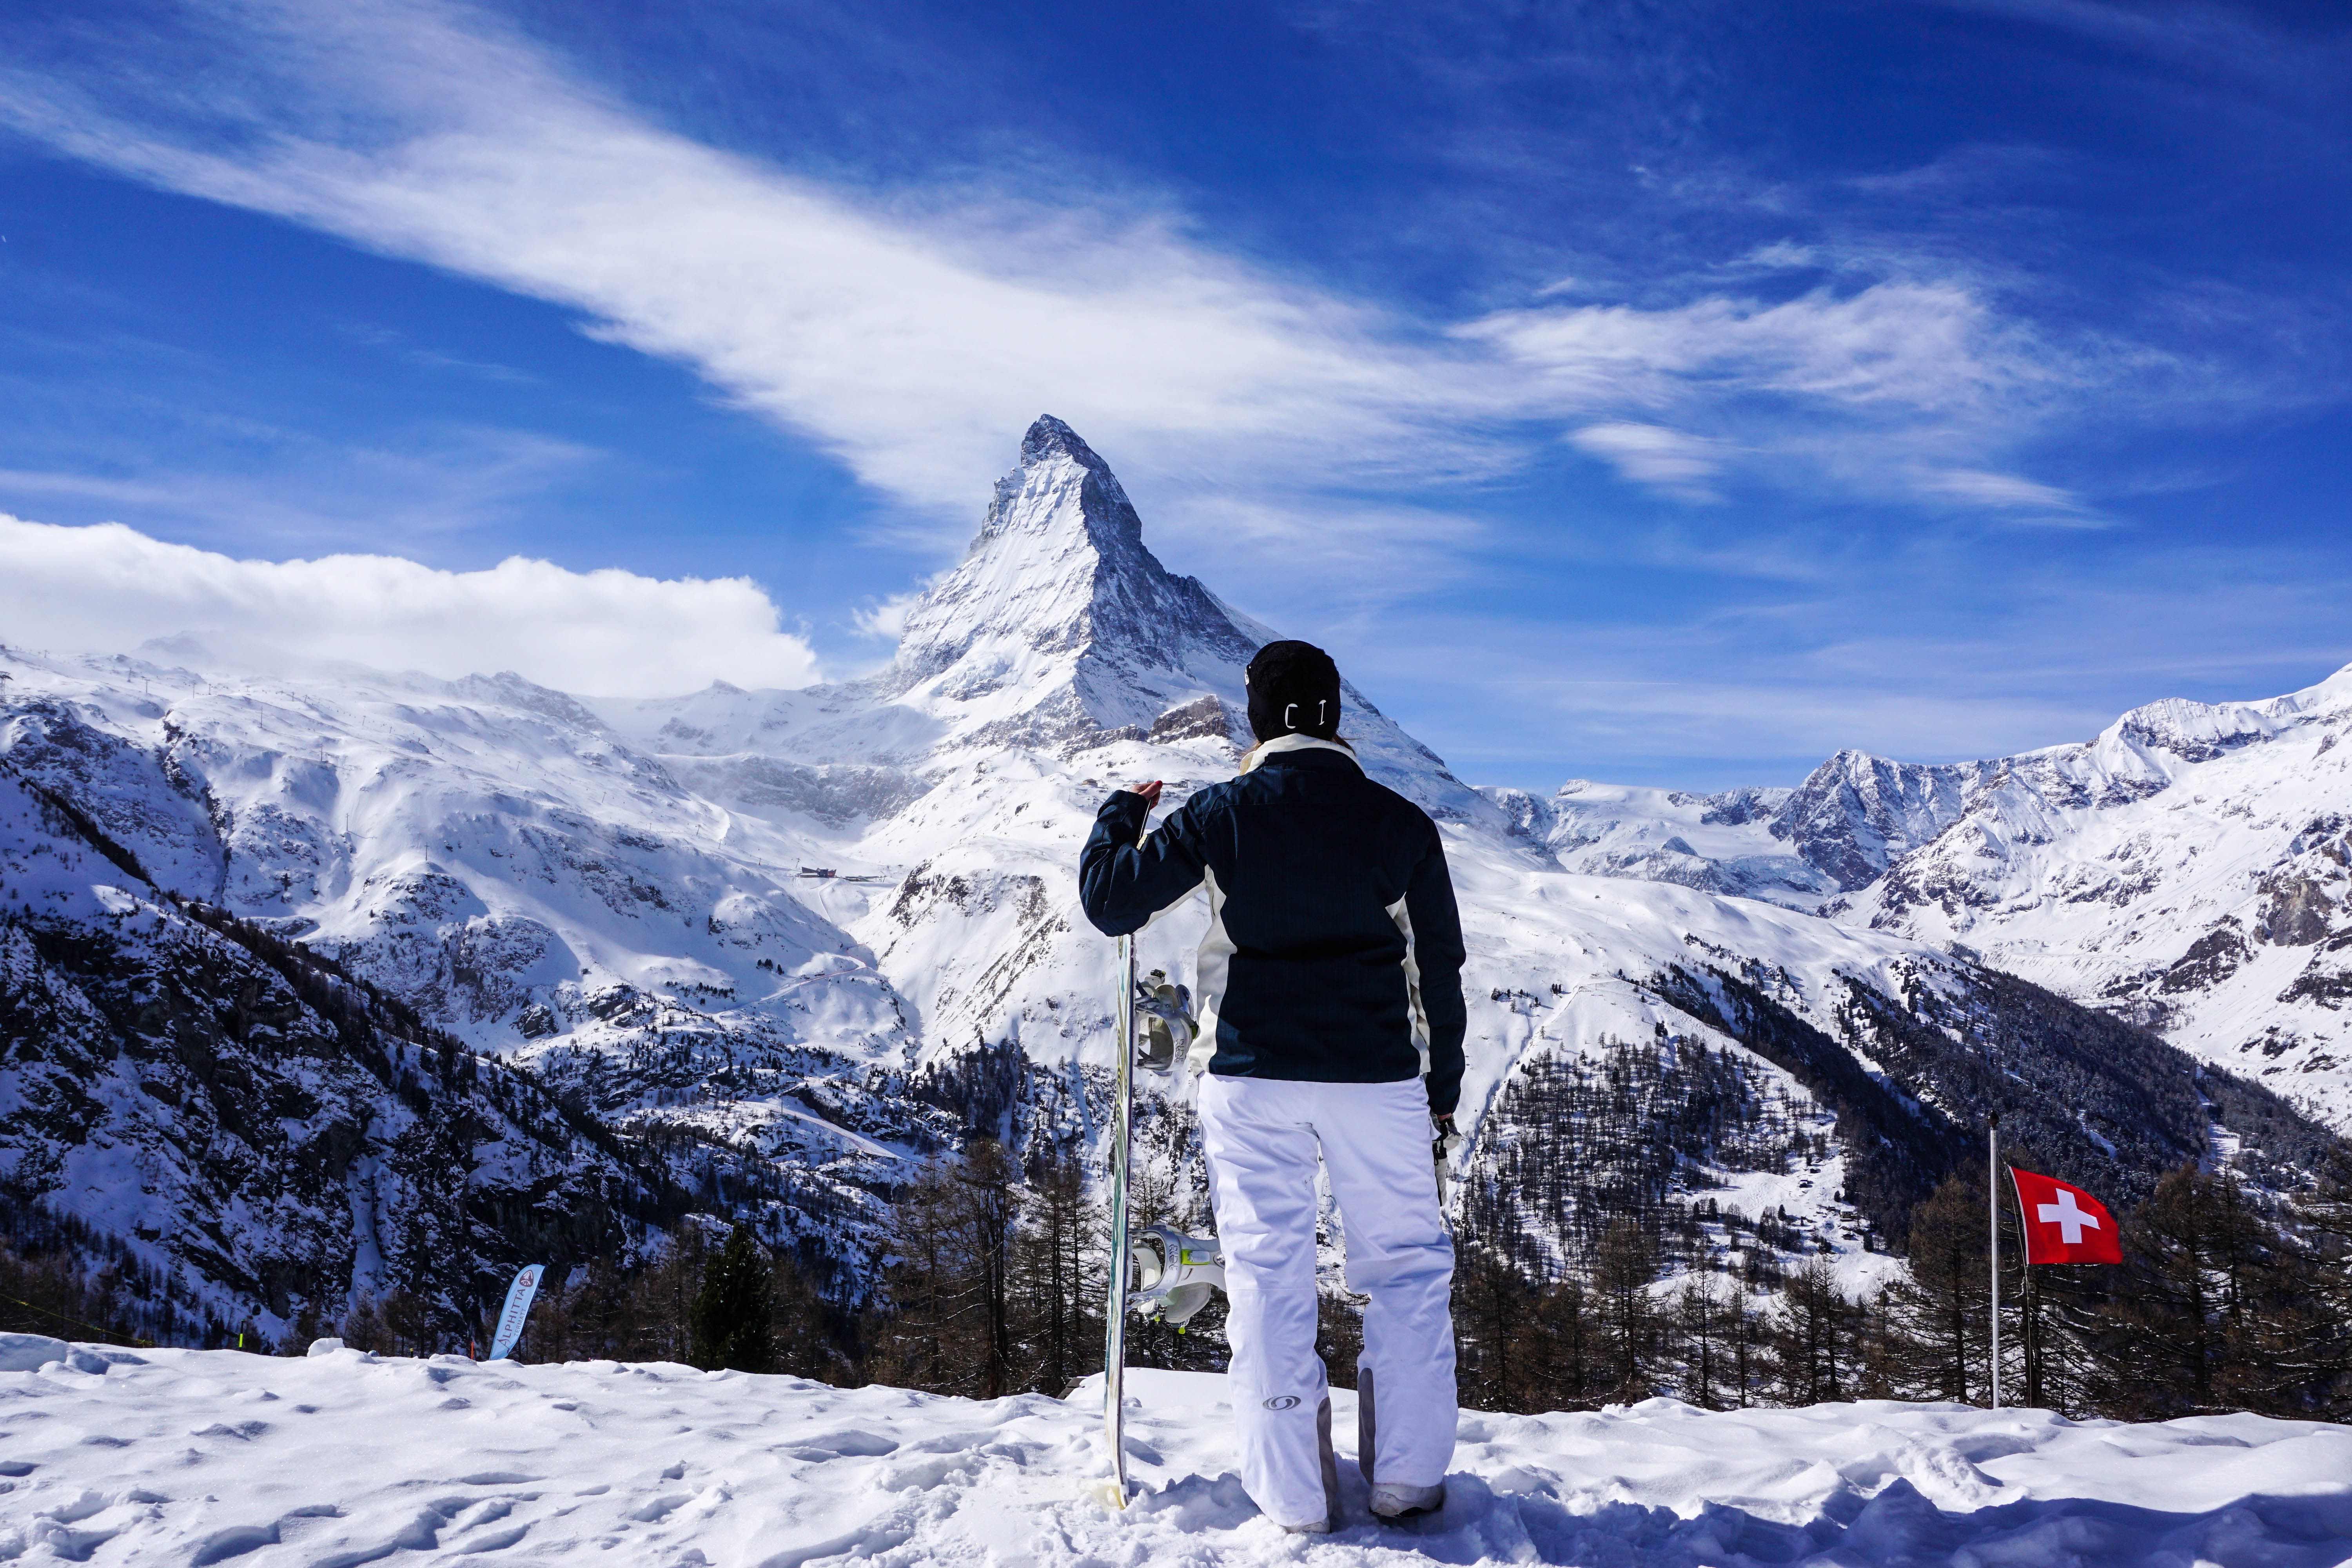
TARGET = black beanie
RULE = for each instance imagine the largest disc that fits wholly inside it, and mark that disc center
(1293, 685)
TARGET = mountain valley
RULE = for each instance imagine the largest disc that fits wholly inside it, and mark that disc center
(760, 954)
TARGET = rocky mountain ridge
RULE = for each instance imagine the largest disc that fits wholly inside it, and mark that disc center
(2188, 868)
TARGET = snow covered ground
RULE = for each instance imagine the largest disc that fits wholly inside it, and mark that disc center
(199, 1458)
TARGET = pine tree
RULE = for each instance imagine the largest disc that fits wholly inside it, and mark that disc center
(657, 1322)
(1054, 1274)
(1939, 1315)
(408, 1326)
(1568, 1374)
(2180, 1290)
(984, 1213)
(1700, 1325)
(917, 1336)
(1624, 1267)
(730, 1321)
(803, 1327)
(1812, 1338)
(1751, 1339)
(2324, 1348)
(362, 1328)
(1498, 1349)
(949, 1327)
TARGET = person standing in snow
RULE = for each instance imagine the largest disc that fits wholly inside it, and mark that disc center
(1331, 1022)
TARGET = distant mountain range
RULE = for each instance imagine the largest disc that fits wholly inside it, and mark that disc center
(751, 952)
(2187, 869)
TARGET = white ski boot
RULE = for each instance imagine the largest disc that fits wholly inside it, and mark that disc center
(1394, 1502)
(1173, 1273)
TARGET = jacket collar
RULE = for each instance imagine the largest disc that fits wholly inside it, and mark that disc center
(1296, 742)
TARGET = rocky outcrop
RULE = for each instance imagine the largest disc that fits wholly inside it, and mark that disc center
(1855, 814)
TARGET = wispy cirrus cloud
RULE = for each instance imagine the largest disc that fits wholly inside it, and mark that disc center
(1673, 461)
(2011, 493)
(909, 337)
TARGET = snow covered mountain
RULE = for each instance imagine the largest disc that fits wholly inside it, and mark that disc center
(773, 926)
(1852, 817)
(1716, 843)
(2189, 870)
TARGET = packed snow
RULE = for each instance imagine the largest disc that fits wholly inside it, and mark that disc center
(199, 1457)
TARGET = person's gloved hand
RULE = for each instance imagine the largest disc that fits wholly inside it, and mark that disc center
(1441, 1148)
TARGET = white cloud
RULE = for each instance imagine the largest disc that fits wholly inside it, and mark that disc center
(608, 632)
(1673, 461)
(913, 340)
(2006, 491)
(1925, 348)
(886, 618)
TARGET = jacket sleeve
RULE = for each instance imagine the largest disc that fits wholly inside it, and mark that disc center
(1123, 883)
(1437, 954)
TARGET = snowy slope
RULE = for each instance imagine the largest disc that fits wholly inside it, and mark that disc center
(2188, 868)
(258, 1134)
(201, 1457)
(1716, 843)
(2191, 867)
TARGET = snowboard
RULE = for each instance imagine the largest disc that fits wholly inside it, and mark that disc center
(1114, 1491)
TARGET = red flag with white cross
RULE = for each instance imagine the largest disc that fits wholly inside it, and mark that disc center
(2063, 1223)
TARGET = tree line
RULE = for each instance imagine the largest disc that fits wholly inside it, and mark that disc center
(991, 1275)
(996, 1277)
(2220, 1304)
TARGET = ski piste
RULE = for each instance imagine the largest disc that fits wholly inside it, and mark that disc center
(1114, 1491)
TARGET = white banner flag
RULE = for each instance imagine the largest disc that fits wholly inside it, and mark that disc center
(519, 1299)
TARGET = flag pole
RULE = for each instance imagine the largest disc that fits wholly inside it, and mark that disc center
(2028, 1301)
(1992, 1210)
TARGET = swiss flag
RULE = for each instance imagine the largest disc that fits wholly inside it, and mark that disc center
(2064, 1224)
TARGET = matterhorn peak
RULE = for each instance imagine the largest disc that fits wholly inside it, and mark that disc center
(1060, 630)
(1063, 498)
(1059, 623)
(1049, 437)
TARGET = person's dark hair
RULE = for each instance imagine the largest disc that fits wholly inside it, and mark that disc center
(1294, 687)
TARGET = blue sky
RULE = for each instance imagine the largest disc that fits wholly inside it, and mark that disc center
(1664, 392)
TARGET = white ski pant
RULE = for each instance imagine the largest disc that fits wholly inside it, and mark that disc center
(1263, 1136)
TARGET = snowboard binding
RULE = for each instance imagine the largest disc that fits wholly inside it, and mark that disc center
(1172, 1275)
(1166, 1014)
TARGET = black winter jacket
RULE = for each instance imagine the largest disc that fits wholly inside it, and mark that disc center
(1334, 952)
